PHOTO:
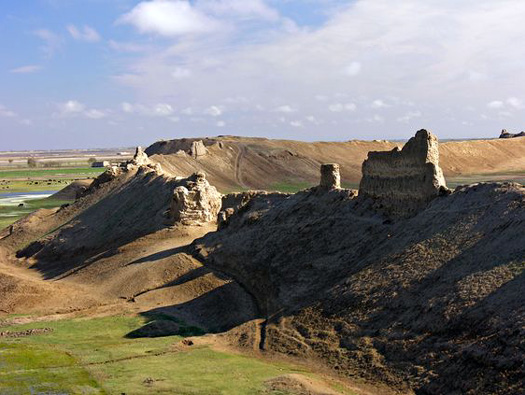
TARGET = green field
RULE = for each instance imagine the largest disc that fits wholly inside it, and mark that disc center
(78, 172)
(10, 214)
(95, 356)
(37, 180)
(518, 177)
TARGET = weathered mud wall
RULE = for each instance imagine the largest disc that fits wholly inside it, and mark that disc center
(195, 202)
(403, 182)
(330, 176)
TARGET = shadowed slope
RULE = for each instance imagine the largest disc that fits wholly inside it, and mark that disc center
(410, 301)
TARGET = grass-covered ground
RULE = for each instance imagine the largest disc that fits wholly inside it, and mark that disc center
(95, 356)
(36, 180)
(79, 172)
(10, 213)
(518, 177)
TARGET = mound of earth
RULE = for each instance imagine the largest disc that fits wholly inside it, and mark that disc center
(24, 292)
(432, 303)
(298, 384)
(232, 163)
(73, 190)
(119, 244)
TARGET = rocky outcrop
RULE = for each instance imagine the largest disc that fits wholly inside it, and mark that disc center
(403, 182)
(195, 201)
(330, 176)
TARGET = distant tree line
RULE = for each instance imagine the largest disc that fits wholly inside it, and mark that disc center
(33, 163)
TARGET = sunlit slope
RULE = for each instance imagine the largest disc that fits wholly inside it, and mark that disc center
(243, 163)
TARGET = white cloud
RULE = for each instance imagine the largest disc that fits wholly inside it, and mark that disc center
(353, 69)
(95, 114)
(376, 119)
(163, 109)
(496, 104)
(221, 124)
(214, 111)
(168, 18)
(409, 116)
(26, 69)
(155, 110)
(127, 46)
(86, 33)
(74, 109)
(339, 107)
(476, 76)
(240, 8)
(296, 124)
(285, 109)
(408, 66)
(71, 107)
(7, 113)
(180, 73)
(515, 103)
(52, 41)
(128, 107)
(378, 104)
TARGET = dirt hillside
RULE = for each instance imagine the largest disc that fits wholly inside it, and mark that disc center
(113, 247)
(432, 303)
(239, 162)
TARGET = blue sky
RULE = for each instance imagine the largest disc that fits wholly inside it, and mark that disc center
(97, 73)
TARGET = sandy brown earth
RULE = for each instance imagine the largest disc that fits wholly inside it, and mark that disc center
(143, 267)
(256, 163)
(430, 304)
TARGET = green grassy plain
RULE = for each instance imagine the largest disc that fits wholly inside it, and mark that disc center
(518, 177)
(78, 172)
(37, 180)
(10, 214)
(94, 356)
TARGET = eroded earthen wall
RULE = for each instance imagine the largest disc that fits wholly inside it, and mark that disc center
(403, 182)
(195, 201)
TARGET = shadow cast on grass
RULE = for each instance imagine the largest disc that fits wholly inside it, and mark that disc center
(216, 311)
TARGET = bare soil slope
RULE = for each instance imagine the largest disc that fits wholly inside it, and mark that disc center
(112, 247)
(432, 303)
(240, 162)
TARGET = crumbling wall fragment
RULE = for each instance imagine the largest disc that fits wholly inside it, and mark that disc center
(236, 205)
(140, 158)
(403, 182)
(198, 149)
(195, 201)
(330, 176)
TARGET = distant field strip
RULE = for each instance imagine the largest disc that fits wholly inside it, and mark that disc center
(33, 173)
